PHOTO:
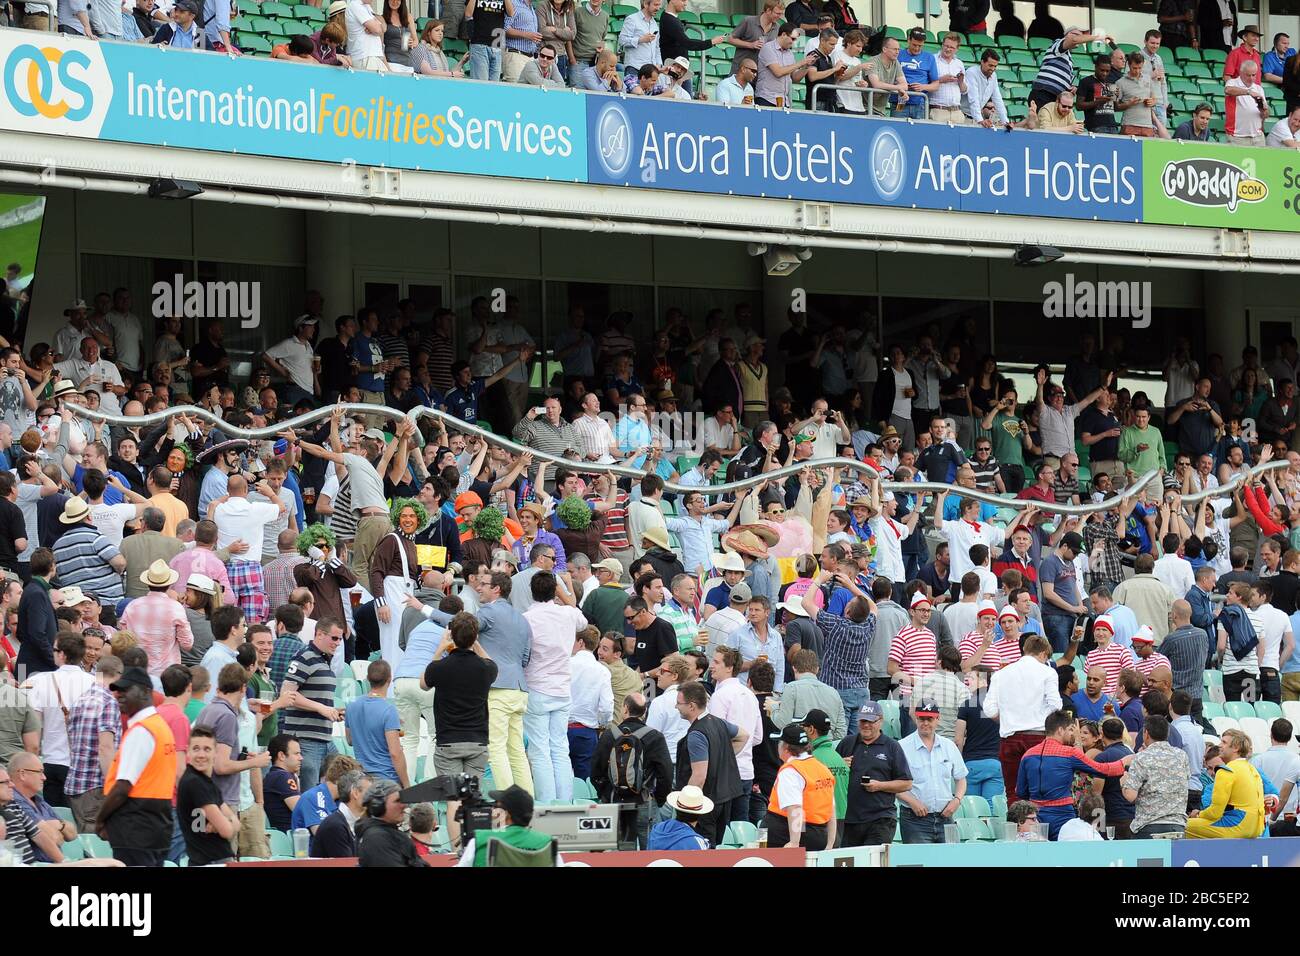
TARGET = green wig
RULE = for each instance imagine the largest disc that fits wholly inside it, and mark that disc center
(185, 449)
(313, 535)
(573, 511)
(489, 524)
(421, 513)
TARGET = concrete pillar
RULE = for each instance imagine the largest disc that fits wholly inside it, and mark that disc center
(778, 294)
(329, 264)
(1226, 330)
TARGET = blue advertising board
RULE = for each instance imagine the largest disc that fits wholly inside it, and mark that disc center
(141, 94)
(1271, 852)
(1101, 853)
(660, 144)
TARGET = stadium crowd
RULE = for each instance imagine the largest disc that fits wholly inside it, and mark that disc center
(835, 661)
(802, 53)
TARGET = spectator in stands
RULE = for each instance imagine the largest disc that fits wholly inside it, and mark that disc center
(1177, 19)
(1055, 70)
(922, 75)
(543, 70)
(945, 101)
(1245, 106)
(885, 72)
(738, 88)
(638, 40)
(752, 34)
(1136, 99)
(183, 30)
(778, 70)
(1197, 127)
(1283, 133)
(1059, 116)
(1273, 66)
(982, 89)
(1247, 52)
(1020, 697)
(614, 775)
(427, 56)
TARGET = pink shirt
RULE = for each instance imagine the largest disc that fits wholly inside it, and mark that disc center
(735, 702)
(160, 625)
(555, 627)
(206, 562)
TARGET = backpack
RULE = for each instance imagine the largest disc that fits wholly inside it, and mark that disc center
(1241, 633)
(627, 773)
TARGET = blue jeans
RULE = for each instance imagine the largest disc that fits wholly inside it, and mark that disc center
(562, 64)
(314, 753)
(912, 110)
(178, 848)
(582, 743)
(1058, 628)
(546, 724)
(985, 778)
(926, 829)
(484, 62)
(853, 698)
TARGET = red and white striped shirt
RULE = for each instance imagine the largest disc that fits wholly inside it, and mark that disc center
(1001, 653)
(1145, 665)
(916, 652)
(1112, 659)
(615, 536)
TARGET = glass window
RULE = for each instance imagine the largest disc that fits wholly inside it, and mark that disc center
(1024, 335)
(946, 322)
(600, 301)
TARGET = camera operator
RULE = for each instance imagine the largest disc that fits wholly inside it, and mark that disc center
(379, 841)
(461, 673)
(513, 813)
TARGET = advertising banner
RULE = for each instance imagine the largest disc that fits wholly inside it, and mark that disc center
(1233, 187)
(141, 94)
(657, 144)
(1104, 853)
(1272, 852)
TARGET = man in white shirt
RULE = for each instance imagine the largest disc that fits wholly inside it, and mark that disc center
(945, 101)
(645, 513)
(981, 89)
(238, 519)
(53, 693)
(365, 37)
(276, 472)
(1019, 698)
(294, 360)
(1283, 133)
(720, 432)
(555, 628)
(1282, 767)
(828, 429)
(664, 717)
(1172, 571)
(889, 533)
(1246, 107)
(969, 530)
(88, 370)
(128, 334)
(738, 89)
(734, 702)
(594, 434)
(1276, 642)
(591, 700)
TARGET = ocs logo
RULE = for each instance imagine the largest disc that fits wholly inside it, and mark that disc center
(614, 140)
(39, 81)
(888, 161)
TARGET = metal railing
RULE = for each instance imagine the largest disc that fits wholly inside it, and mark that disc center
(271, 432)
(871, 92)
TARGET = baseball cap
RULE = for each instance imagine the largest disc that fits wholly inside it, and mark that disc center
(870, 711)
(792, 734)
(817, 720)
(515, 801)
(132, 677)
(611, 565)
(1073, 540)
(927, 708)
(741, 594)
(374, 433)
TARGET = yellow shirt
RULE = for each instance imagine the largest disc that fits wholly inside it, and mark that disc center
(1049, 117)
(173, 508)
(753, 386)
(1238, 784)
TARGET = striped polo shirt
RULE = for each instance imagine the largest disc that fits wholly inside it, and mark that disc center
(915, 650)
(1112, 659)
(310, 670)
(615, 536)
(1001, 653)
(1056, 70)
(81, 555)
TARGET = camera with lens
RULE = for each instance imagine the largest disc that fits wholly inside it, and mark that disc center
(474, 812)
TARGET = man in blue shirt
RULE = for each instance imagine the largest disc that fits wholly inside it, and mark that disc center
(1275, 59)
(938, 779)
(374, 729)
(1090, 703)
(921, 72)
(462, 400)
(368, 354)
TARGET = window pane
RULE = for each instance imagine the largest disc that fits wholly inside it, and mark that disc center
(1024, 335)
(946, 322)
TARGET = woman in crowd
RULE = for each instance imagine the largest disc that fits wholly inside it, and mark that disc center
(428, 58)
(202, 597)
(399, 36)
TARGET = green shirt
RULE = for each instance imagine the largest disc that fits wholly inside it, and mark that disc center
(257, 683)
(1008, 445)
(603, 608)
(521, 837)
(686, 629)
(589, 30)
(1142, 461)
(193, 709)
(824, 751)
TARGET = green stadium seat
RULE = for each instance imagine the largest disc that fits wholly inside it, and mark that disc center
(740, 833)
(623, 10)
(243, 23)
(1006, 74)
(253, 43)
(1000, 806)
(1037, 44)
(1128, 47)
(688, 16)
(273, 9)
(1187, 54)
(1211, 709)
(973, 808)
(1020, 58)
(281, 843)
(712, 19)
(738, 18)
(892, 725)
(305, 11)
(1167, 55)
(1267, 710)
(294, 28)
(974, 830)
(1237, 709)
(980, 40)
(1197, 70)
(895, 32)
(1214, 56)
(1013, 43)
(96, 847)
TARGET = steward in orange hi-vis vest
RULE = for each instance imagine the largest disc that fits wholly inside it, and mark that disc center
(801, 809)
